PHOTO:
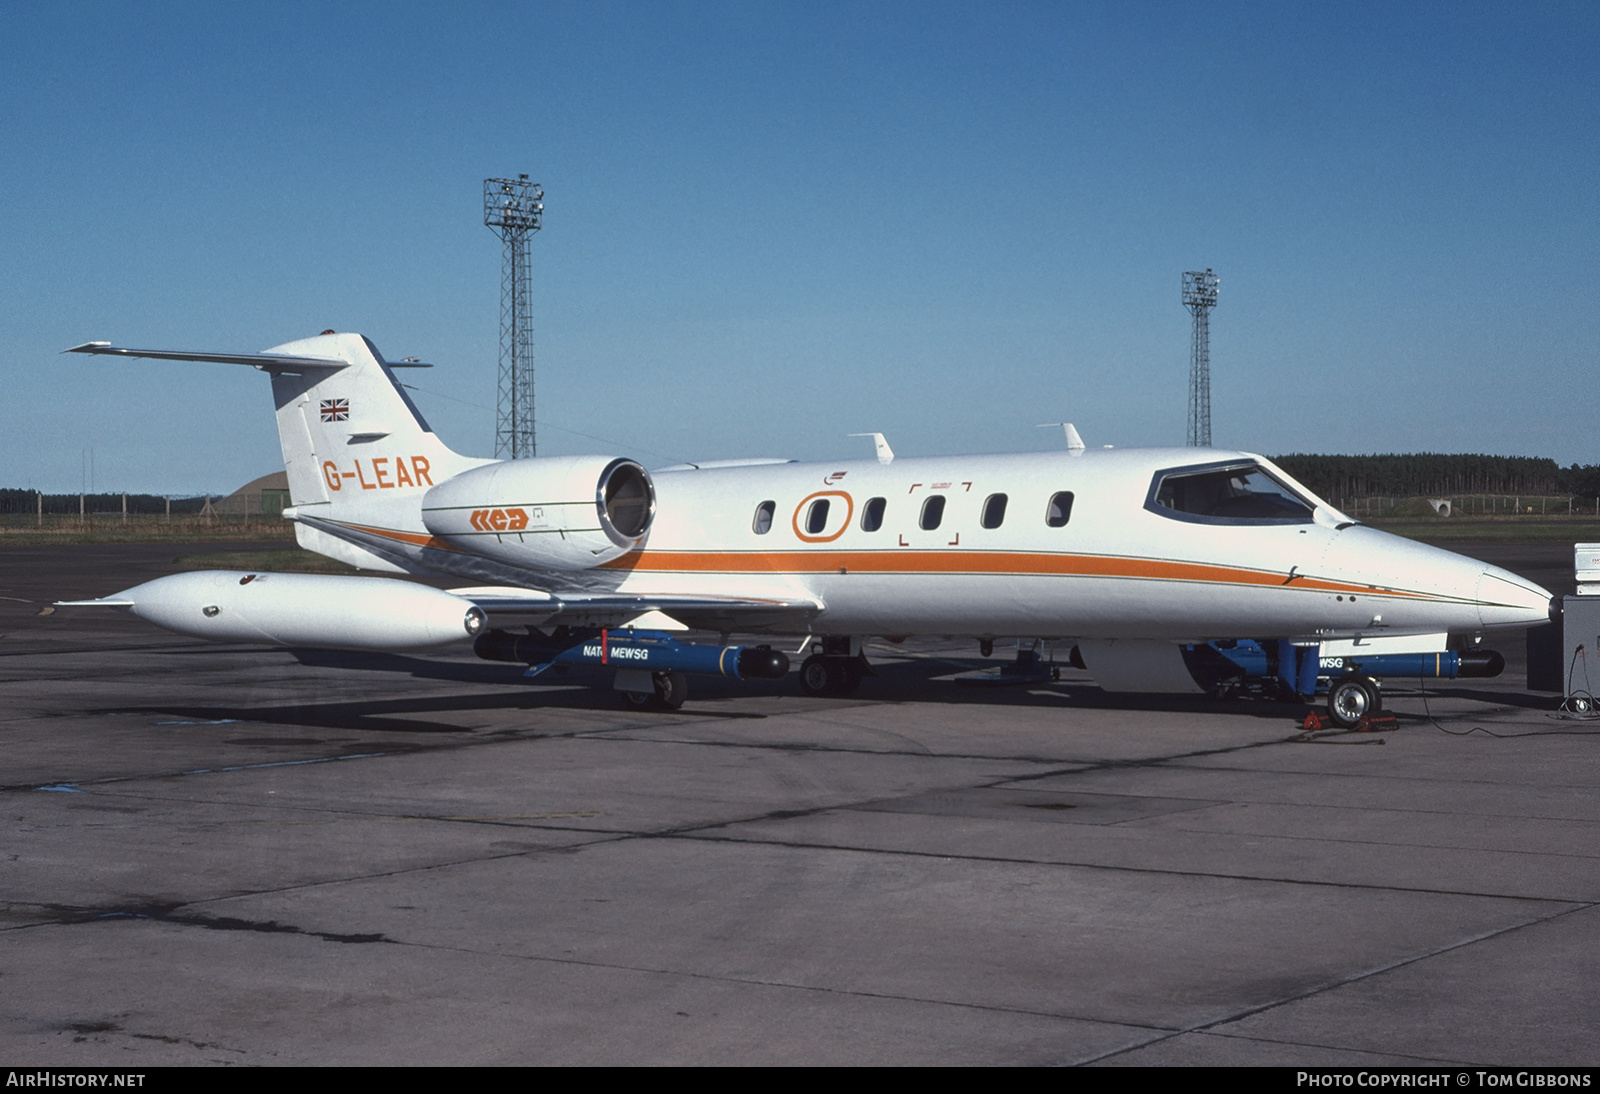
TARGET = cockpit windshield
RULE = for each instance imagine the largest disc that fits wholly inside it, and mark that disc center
(1240, 493)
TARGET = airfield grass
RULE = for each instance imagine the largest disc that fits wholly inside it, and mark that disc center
(1434, 529)
(30, 529)
(175, 533)
(289, 560)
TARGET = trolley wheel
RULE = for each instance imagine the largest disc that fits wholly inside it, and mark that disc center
(668, 691)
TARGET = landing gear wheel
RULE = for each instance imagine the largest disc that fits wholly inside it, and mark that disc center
(669, 690)
(818, 676)
(1352, 698)
(832, 676)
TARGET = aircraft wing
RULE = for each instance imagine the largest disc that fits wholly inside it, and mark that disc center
(708, 613)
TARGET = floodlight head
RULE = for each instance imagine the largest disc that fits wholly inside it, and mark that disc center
(1200, 289)
(515, 205)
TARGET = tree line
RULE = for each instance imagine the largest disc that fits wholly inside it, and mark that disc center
(1437, 474)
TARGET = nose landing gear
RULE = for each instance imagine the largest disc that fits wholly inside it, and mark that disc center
(1352, 698)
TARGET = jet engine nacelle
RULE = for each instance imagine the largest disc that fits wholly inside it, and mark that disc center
(325, 610)
(556, 513)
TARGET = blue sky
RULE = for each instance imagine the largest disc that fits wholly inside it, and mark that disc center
(769, 225)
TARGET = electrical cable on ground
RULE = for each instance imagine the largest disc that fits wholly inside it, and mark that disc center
(1562, 714)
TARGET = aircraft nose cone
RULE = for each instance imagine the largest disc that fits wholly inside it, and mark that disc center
(1506, 600)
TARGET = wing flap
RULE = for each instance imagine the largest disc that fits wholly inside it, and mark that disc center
(713, 613)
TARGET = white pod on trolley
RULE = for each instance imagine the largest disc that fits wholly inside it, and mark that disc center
(325, 610)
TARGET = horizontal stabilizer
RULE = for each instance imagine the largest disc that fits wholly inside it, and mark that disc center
(271, 362)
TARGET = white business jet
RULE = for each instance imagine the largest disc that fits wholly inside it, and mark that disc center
(1128, 556)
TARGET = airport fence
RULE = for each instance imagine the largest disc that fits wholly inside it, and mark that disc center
(140, 522)
(115, 524)
(140, 515)
(1508, 507)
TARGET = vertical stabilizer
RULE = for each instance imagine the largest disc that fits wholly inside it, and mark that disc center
(358, 454)
(356, 449)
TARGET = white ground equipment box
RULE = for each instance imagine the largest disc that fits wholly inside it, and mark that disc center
(1580, 631)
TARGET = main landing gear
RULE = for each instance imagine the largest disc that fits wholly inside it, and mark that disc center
(1352, 698)
(837, 670)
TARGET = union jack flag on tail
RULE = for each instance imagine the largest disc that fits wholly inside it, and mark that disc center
(336, 410)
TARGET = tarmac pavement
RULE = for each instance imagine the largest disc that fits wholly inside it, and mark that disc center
(247, 855)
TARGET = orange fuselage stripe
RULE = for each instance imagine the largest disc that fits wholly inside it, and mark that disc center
(996, 563)
(414, 538)
(1002, 563)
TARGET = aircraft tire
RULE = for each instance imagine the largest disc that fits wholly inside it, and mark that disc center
(817, 675)
(1352, 698)
(829, 676)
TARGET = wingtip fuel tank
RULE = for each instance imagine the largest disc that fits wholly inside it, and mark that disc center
(321, 610)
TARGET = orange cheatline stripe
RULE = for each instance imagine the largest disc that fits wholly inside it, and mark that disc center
(413, 538)
(999, 563)
(1006, 563)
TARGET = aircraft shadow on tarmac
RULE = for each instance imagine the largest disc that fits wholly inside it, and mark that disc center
(911, 680)
(404, 715)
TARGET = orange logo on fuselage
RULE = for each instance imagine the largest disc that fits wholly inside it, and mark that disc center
(499, 520)
(418, 474)
(849, 511)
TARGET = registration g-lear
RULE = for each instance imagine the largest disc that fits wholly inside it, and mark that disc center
(1172, 570)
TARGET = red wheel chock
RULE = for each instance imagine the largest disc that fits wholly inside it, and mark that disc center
(1372, 723)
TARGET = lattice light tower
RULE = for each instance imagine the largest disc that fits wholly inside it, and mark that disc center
(1200, 296)
(515, 209)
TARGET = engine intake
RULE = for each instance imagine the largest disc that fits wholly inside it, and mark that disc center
(626, 501)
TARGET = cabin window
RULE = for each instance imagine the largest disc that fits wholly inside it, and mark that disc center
(817, 517)
(932, 512)
(994, 510)
(1239, 493)
(1059, 511)
(872, 515)
(762, 524)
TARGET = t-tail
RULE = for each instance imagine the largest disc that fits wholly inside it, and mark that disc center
(358, 453)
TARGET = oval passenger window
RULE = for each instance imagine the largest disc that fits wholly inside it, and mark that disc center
(932, 512)
(994, 510)
(762, 524)
(817, 517)
(872, 515)
(1059, 510)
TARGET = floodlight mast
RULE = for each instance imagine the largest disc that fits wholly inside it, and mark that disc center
(515, 209)
(1200, 296)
